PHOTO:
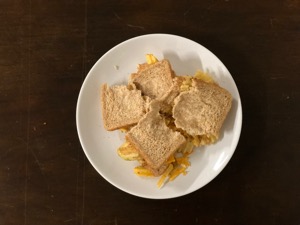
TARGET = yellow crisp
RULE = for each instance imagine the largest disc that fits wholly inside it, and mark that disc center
(186, 84)
(176, 172)
(163, 177)
(171, 159)
(203, 76)
(196, 141)
(142, 171)
(189, 148)
(184, 161)
(127, 152)
(150, 58)
(123, 130)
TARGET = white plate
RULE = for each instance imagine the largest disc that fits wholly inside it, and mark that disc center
(100, 146)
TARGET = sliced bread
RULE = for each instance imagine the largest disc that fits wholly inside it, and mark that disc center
(154, 80)
(121, 107)
(203, 109)
(154, 141)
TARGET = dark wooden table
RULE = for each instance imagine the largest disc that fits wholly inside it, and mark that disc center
(47, 49)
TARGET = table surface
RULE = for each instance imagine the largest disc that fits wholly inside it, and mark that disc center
(47, 49)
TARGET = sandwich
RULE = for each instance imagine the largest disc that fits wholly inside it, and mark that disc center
(164, 116)
(201, 111)
(121, 107)
(154, 79)
(154, 141)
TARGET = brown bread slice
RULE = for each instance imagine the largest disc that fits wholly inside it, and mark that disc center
(121, 107)
(203, 109)
(154, 141)
(154, 80)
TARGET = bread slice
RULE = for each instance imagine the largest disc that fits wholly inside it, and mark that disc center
(121, 107)
(154, 80)
(154, 141)
(203, 109)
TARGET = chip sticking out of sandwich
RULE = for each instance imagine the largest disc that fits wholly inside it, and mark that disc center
(164, 116)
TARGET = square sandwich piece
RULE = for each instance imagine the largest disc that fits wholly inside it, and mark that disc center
(203, 109)
(154, 141)
(121, 107)
(154, 80)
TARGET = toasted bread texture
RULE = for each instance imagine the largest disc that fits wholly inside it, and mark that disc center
(154, 141)
(203, 109)
(154, 80)
(121, 107)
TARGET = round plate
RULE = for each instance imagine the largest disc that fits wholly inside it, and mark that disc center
(114, 68)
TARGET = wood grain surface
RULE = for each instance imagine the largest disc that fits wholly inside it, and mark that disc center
(47, 49)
